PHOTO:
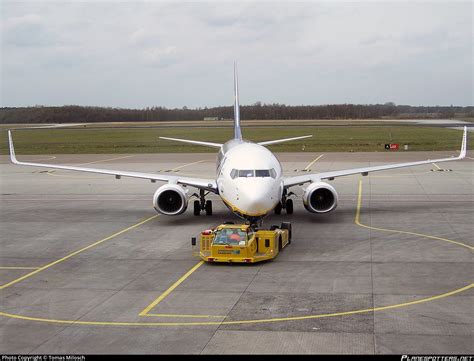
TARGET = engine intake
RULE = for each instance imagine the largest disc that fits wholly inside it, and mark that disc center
(320, 197)
(170, 199)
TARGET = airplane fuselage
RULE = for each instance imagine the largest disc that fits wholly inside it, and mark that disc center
(249, 178)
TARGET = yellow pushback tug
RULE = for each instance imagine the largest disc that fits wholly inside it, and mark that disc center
(242, 243)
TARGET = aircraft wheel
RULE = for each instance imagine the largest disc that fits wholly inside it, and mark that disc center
(208, 208)
(287, 225)
(197, 208)
(289, 206)
(277, 209)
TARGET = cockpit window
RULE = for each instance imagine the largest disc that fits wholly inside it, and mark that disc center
(246, 173)
(262, 173)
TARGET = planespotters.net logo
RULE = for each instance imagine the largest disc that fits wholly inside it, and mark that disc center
(437, 358)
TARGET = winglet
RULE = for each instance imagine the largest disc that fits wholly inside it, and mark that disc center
(463, 152)
(12, 149)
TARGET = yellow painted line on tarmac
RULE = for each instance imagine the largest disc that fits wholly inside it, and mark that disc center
(50, 172)
(187, 165)
(312, 162)
(40, 269)
(254, 321)
(106, 160)
(357, 221)
(239, 322)
(53, 171)
(436, 166)
(171, 289)
(165, 294)
(13, 267)
(170, 315)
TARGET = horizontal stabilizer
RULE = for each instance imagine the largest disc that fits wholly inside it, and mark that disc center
(284, 140)
(206, 144)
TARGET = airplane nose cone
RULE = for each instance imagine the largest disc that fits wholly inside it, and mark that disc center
(258, 199)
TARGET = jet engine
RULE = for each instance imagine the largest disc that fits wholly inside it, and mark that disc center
(320, 197)
(170, 199)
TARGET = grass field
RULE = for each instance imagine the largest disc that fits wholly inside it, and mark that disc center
(218, 123)
(145, 140)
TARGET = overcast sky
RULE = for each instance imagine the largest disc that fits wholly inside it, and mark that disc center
(174, 54)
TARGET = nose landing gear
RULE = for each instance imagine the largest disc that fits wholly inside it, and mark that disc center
(202, 204)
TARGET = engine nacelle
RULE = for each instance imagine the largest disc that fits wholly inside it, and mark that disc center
(170, 199)
(320, 197)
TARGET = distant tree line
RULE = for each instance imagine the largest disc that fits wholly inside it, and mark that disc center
(85, 114)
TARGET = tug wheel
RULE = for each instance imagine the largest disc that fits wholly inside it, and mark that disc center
(287, 226)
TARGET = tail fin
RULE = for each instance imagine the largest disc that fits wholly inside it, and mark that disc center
(237, 131)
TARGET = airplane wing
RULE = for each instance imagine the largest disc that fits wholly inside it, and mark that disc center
(207, 184)
(314, 177)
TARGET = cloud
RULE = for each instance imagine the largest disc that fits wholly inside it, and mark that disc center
(136, 54)
(26, 30)
(156, 56)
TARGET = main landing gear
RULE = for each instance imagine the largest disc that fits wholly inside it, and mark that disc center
(202, 204)
(286, 204)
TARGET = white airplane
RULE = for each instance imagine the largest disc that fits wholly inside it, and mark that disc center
(249, 178)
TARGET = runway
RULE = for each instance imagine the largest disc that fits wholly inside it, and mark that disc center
(88, 266)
